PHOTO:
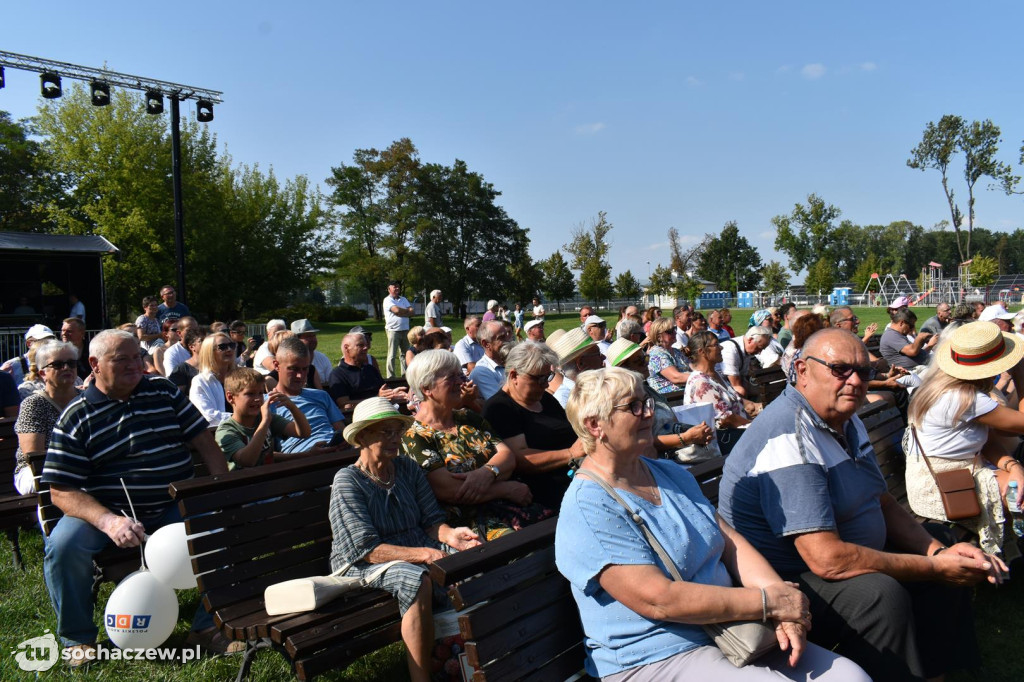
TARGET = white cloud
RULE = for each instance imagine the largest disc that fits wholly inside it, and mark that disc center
(868, 66)
(694, 81)
(589, 128)
(656, 247)
(813, 71)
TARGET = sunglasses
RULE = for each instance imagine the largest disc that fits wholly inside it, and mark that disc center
(61, 364)
(638, 406)
(542, 378)
(841, 370)
(225, 346)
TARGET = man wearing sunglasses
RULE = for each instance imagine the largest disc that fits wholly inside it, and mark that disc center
(803, 486)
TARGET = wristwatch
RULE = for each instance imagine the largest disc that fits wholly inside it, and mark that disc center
(493, 469)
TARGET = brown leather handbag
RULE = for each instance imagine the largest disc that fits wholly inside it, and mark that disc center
(956, 488)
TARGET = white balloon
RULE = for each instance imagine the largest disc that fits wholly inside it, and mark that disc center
(141, 612)
(167, 557)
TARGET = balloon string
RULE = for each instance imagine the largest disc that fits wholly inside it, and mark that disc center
(142, 553)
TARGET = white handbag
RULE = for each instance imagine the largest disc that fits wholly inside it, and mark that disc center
(308, 594)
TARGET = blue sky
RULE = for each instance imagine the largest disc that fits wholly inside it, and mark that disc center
(662, 114)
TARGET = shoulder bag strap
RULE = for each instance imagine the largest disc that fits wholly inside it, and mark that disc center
(638, 520)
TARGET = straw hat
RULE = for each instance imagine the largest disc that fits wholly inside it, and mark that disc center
(369, 412)
(978, 351)
(570, 344)
(554, 336)
(620, 350)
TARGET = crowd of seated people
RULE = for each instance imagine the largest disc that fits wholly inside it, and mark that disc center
(484, 441)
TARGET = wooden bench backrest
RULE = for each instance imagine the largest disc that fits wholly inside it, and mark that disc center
(770, 383)
(8, 446)
(521, 620)
(885, 428)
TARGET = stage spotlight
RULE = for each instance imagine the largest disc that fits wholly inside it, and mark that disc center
(204, 111)
(154, 102)
(50, 85)
(2, 81)
(100, 93)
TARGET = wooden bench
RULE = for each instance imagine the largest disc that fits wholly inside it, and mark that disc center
(521, 622)
(770, 382)
(884, 425)
(17, 511)
(256, 527)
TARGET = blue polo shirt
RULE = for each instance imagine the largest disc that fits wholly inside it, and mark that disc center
(321, 413)
(178, 311)
(791, 473)
(97, 441)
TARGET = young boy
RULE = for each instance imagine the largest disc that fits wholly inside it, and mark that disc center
(251, 436)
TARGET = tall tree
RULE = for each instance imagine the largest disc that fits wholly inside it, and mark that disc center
(774, 278)
(27, 184)
(984, 271)
(730, 261)
(807, 233)
(627, 286)
(376, 195)
(465, 243)
(557, 281)
(662, 283)
(820, 278)
(978, 141)
(589, 248)
(684, 260)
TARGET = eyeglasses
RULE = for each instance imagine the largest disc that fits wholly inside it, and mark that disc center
(389, 433)
(61, 364)
(638, 406)
(225, 346)
(841, 370)
(854, 319)
(172, 329)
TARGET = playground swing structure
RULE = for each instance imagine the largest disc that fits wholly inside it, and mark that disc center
(935, 287)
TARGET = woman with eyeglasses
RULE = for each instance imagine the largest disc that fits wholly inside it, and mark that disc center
(706, 385)
(640, 624)
(382, 510)
(467, 465)
(532, 423)
(169, 336)
(56, 363)
(216, 361)
(668, 369)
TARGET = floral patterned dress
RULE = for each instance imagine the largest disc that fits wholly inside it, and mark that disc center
(468, 449)
(707, 388)
(659, 359)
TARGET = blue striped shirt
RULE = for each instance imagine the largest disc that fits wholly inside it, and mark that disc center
(98, 441)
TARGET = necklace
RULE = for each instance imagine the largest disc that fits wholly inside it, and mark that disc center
(376, 479)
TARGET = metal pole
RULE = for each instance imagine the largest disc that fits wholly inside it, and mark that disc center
(179, 210)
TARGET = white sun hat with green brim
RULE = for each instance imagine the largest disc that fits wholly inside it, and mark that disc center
(621, 350)
(570, 344)
(372, 411)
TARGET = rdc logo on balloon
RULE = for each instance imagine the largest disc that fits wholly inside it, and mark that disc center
(128, 622)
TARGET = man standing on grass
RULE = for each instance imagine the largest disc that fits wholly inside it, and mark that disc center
(397, 311)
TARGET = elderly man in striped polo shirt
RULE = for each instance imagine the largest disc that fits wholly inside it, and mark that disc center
(125, 426)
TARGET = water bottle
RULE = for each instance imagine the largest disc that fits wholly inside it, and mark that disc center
(1013, 502)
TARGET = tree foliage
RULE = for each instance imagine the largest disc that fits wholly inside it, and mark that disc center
(978, 142)
(730, 261)
(774, 277)
(428, 225)
(685, 260)
(556, 278)
(807, 233)
(984, 270)
(820, 277)
(627, 286)
(27, 183)
(589, 248)
(662, 282)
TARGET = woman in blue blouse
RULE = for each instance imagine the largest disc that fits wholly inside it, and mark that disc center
(382, 509)
(639, 624)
